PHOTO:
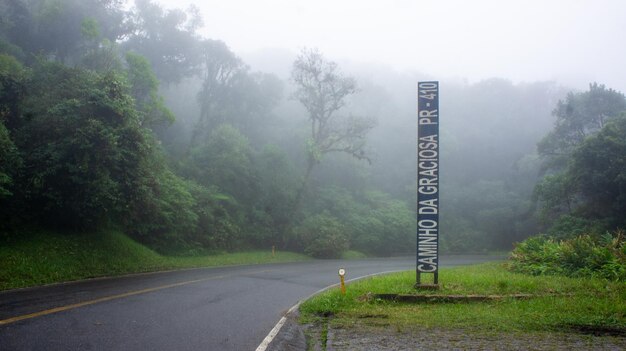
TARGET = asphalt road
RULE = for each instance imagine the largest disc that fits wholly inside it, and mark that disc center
(225, 308)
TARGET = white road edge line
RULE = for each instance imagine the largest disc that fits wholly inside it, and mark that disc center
(272, 334)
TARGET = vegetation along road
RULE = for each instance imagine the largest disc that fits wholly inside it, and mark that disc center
(227, 308)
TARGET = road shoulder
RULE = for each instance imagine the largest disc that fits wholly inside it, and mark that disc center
(365, 336)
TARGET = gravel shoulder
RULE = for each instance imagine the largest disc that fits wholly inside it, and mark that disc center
(377, 336)
(367, 337)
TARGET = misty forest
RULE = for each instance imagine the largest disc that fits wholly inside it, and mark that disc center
(126, 118)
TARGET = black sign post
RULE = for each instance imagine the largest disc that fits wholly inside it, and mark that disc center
(427, 182)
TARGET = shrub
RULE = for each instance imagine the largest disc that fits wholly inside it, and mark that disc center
(322, 236)
(582, 256)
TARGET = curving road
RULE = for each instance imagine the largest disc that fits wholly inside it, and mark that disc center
(225, 308)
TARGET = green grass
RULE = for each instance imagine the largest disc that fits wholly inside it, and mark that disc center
(566, 304)
(47, 258)
(352, 255)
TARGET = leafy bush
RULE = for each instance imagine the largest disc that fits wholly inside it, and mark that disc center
(374, 222)
(569, 226)
(322, 236)
(582, 256)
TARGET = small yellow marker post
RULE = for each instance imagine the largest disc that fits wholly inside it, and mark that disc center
(342, 273)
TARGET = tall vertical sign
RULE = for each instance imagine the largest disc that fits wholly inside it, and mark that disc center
(427, 180)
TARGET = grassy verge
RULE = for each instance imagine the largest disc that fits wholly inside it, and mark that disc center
(352, 255)
(50, 257)
(561, 303)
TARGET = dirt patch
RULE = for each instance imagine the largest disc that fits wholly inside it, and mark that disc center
(368, 337)
(599, 331)
(440, 298)
(372, 316)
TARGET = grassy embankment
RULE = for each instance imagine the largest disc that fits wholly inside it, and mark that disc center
(353, 255)
(48, 258)
(560, 303)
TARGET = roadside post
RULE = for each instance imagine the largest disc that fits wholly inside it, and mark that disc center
(342, 273)
(427, 260)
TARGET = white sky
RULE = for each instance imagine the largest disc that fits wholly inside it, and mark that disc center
(571, 41)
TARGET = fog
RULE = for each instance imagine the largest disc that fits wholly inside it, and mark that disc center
(503, 67)
(294, 123)
(572, 42)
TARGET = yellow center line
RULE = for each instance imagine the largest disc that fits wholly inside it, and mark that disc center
(112, 297)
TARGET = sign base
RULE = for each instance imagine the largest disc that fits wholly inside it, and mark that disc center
(420, 285)
(426, 287)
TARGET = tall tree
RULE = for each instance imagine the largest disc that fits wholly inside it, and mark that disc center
(598, 173)
(584, 152)
(167, 38)
(221, 71)
(145, 90)
(324, 91)
(82, 145)
(577, 117)
(231, 94)
(62, 30)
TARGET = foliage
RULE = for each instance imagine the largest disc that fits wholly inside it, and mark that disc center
(581, 256)
(585, 149)
(322, 236)
(578, 116)
(389, 226)
(482, 215)
(162, 212)
(216, 228)
(374, 222)
(13, 80)
(104, 57)
(593, 186)
(557, 194)
(90, 163)
(224, 160)
(10, 162)
(323, 90)
(588, 147)
(167, 38)
(598, 172)
(144, 88)
(63, 29)
(569, 226)
(276, 188)
(82, 145)
(230, 94)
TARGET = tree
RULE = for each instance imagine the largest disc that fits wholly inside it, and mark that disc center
(221, 70)
(168, 39)
(598, 172)
(224, 159)
(145, 91)
(62, 30)
(231, 94)
(277, 185)
(83, 148)
(557, 195)
(580, 115)
(13, 80)
(9, 163)
(324, 90)
(586, 150)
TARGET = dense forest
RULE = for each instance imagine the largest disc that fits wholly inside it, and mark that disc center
(128, 118)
